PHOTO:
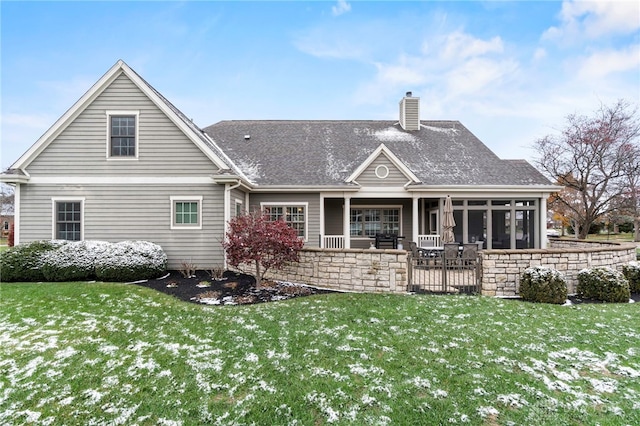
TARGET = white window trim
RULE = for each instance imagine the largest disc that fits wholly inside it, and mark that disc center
(292, 204)
(375, 206)
(238, 202)
(187, 198)
(111, 113)
(54, 201)
(382, 171)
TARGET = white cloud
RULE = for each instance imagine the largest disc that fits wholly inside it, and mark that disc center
(461, 45)
(539, 54)
(601, 64)
(594, 19)
(478, 74)
(341, 7)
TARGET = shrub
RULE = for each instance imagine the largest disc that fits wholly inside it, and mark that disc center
(73, 261)
(631, 272)
(545, 285)
(24, 261)
(604, 284)
(130, 261)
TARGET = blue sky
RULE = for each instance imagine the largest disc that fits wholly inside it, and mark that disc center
(509, 71)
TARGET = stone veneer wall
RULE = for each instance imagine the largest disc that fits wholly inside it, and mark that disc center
(384, 271)
(358, 270)
(501, 269)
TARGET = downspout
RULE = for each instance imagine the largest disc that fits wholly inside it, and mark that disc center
(227, 212)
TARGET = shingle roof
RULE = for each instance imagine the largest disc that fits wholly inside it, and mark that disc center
(327, 152)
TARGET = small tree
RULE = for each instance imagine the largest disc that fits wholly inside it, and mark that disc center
(253, 238)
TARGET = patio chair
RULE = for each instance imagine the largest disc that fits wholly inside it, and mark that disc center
(417, 254)
(451, 253)
(469, 254)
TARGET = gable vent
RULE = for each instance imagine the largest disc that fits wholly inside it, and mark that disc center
(410, 112)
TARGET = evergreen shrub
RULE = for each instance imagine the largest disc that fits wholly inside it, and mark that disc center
(631, 272)
(543, 285)
(130, 261)
(604, 284)
(24, 261)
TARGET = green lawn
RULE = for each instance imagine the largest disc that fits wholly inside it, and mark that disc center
(78, 353)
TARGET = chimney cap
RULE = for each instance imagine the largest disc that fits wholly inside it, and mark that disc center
(409, 94)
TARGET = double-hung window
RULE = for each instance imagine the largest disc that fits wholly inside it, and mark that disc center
(367, 222)
(67, 219)
(295, 215)
(123, 134)
(186, 212)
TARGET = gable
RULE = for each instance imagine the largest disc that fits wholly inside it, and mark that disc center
(382, 168)
(382, 172)
(80, 148)
(164, 129)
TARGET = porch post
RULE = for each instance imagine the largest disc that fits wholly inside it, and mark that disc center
(415, 230)
(543, 221)
(17, 213)
(321, 242)
(345, 222)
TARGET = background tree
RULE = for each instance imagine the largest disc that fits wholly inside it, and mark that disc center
(592, 157)
(254, 239)
(7, 201)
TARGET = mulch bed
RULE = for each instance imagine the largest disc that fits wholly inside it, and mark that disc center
(232, 289)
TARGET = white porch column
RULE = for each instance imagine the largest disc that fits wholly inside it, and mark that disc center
(321, 242)
(543, 221)
(16, 214)
(345, 222)
(415, 229)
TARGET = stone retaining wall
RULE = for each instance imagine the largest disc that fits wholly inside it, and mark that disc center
(501, 269)
(358, 270)
(386, 271)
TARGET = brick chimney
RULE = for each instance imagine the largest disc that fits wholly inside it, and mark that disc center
(410, 112)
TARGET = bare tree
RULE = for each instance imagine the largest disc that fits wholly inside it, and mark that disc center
(7, 202)
(630, 198)
(592, 157)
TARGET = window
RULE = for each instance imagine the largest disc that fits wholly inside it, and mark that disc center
(295, 215)
(239, 210)
(186, 212)
(367, 222)
(123, 134)
(5, 225)
(68, 220)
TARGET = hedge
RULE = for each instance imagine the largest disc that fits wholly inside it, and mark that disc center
(55, 260)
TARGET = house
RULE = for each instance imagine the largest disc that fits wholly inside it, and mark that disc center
(6, 220)
(124, 163)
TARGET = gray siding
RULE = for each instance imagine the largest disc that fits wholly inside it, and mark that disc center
(333, 216)
(369, 178)
(313, 213)
(82, 147)
(127, 212)
(237, 194)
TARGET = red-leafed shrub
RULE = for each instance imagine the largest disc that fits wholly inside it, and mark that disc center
(12, 235)
(254, 239)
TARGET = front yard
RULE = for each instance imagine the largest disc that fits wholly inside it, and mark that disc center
(78, 353)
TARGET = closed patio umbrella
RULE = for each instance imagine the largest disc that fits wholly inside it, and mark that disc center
(448, 222)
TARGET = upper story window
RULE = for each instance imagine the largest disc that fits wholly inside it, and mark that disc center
(123, 134)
